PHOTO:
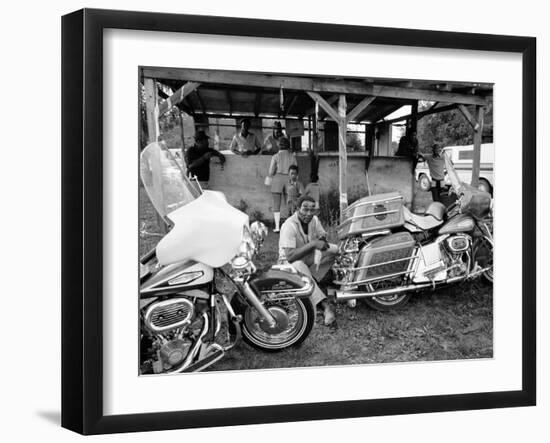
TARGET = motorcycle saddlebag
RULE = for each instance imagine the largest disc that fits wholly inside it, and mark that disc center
(382, 211)
(386, 257)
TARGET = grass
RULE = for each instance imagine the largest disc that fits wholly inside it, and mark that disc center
(448, 324)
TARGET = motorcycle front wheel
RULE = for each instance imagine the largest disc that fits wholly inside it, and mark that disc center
(295, 318)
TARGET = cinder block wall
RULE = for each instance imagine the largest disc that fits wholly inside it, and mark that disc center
(242, 182)
(242, 179)
(385, 174)
(388, 174)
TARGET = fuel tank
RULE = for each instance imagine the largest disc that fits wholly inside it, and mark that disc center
(177, 277)
(459, 223)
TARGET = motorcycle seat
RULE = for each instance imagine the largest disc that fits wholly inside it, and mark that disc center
(431, 219)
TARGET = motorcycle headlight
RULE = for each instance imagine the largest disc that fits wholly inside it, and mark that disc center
(240, 262)
(246, 251)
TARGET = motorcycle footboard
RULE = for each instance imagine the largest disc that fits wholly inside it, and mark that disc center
(205, 362)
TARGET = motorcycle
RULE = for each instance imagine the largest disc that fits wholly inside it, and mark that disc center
(387, 253)
(192, 308)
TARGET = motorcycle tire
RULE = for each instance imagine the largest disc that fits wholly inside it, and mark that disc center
(388, 302)
(256, 337)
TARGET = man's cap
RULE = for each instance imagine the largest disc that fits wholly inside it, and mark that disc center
(277, 125)
(201, 135)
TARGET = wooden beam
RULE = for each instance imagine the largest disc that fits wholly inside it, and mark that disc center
(360, 107)
(339, 86)
(480, 111)
(177, 97)
(430, 111)
(331, 100)
(323, 104)
(152, 108)
(464, 110)
(342, 155)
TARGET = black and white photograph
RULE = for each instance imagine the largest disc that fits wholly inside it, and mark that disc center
(291, 220)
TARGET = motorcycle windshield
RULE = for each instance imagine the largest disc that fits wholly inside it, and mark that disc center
(164, 179)
(456, 184)
(207, 230)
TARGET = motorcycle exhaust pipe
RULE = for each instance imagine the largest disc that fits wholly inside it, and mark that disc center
(350, 295)
(193, 351)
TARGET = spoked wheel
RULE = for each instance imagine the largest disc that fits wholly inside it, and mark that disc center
(483, 255)
(385, 302)
(294, 317)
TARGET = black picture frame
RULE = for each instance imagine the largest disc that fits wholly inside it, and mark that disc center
(82, 218)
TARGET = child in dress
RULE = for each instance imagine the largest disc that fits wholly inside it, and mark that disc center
(293, 190)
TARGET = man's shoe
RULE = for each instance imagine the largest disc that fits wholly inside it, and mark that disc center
(330, 316)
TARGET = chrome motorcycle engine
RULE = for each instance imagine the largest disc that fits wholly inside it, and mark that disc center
(165, 315)
(458, 243)
(174, 352)
(172, 327)
(457, 249)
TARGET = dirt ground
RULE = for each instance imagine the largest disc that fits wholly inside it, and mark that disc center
(448, 324)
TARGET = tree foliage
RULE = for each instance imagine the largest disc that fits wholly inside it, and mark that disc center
(450, 128)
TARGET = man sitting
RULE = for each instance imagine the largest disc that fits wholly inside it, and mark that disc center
(303, 238)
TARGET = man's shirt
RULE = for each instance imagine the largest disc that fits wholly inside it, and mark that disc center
(248, 144)
(436, 166)
(202, 171)
(292, 235)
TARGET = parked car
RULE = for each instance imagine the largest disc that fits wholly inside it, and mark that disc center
(462, 158)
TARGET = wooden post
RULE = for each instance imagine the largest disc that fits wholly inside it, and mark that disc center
(153, 135)
(316, 148)
(480, 113)
(182, 142)
(309, 140)
(414, 116)
(151, 104)
(343, 157)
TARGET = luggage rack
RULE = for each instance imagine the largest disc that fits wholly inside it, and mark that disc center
(372, 214)
(370, 202)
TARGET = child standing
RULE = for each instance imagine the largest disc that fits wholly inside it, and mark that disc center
(293, 190)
